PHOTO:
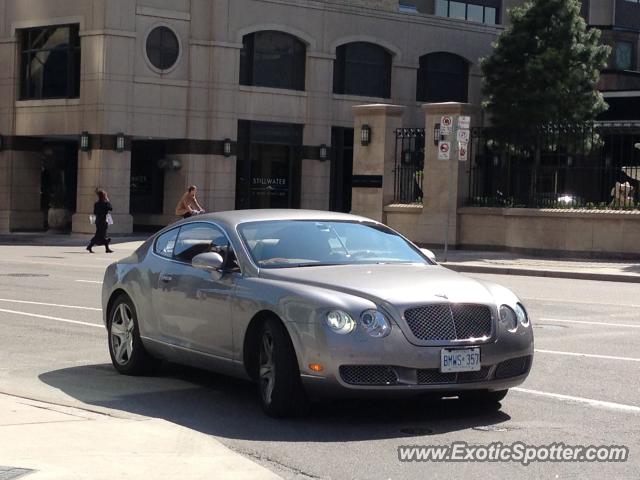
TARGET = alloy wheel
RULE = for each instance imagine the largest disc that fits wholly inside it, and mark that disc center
(121, 335)
(267, 370)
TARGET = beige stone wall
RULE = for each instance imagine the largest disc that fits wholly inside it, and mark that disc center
(548, 230)
(20, 191)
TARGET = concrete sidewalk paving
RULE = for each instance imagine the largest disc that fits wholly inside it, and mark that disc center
(508, 263)
(47, 442)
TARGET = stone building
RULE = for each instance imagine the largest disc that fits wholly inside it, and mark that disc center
(250, 100)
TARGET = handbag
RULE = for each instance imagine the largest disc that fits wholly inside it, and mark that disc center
(92, 219)
(109, 219)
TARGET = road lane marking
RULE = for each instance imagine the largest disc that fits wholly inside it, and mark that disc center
(588, 355)
(57, 319)
(626, 325)
(89, 281)
(50, 304)
(579, 302)
(586, 401)
(58, 264)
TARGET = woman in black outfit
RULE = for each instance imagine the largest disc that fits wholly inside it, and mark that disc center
(100, 209)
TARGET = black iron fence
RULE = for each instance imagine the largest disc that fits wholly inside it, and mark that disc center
(593, 167)
(409, 165)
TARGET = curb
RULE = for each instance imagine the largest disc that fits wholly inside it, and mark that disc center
(601, 277)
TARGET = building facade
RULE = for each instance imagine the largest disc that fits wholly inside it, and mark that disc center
(250, 100)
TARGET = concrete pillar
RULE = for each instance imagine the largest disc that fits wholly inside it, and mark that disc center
(20, 174)
(440, 175)
(110, 171)
(375, 159)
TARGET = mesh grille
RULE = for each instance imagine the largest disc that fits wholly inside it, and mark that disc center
(368, 375)
(432, 376)
(449, 322)
(513, 367)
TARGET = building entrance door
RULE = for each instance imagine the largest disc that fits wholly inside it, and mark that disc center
(269, 165)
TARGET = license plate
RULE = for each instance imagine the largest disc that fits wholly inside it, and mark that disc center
(459, 360)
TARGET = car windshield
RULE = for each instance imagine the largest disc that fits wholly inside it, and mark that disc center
(307, 243)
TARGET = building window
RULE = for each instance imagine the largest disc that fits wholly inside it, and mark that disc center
(162, 47)
(442, 77)
(466, 11)
(50, 62)
(623, 56)
(362, 69)
(273, 59)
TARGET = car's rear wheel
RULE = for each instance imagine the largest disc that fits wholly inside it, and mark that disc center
(484, 397)
(128, 355)
(278, 375)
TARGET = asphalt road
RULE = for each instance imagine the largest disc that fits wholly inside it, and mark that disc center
(52, 348)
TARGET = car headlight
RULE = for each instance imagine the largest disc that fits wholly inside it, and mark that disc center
(375, 323)
(508, 317)
(340, 322)
(521, 313)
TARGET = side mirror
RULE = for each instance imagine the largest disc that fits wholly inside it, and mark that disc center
(429, 254)
(209, 262)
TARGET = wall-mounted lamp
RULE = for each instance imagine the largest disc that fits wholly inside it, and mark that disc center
(226, 147)
(85, 142)
(637, 145)
(324, 152)
(365, 135)
(120, 142)
(436, 134)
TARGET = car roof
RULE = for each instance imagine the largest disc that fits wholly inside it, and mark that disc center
(234, 218)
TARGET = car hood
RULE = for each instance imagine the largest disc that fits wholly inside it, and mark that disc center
(390, 283)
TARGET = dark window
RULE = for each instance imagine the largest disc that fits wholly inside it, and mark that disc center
(363, 69)
(623, 56)
(273, 59)
(468, 11)
(163, 48)
(442, 77)
(166, 243)
(197, 238)
(50, 62)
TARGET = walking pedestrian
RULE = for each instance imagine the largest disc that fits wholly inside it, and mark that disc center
(188, 204)
(101, 211)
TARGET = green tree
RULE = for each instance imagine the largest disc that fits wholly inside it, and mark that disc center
(544, 68)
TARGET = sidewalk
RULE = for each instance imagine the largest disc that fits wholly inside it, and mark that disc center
(507, 263)
(44, 441)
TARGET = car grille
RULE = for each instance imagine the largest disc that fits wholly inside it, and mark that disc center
(513, 367)
(445, 321)
(368, 375)
(387, 375)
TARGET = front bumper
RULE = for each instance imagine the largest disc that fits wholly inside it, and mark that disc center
(357, 365)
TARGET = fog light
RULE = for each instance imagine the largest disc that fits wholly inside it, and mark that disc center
(316, 367)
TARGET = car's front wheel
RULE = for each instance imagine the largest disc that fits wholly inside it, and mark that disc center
(128, 355)
(278, 375)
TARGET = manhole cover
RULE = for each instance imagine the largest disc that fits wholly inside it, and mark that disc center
(9, 473)
(417, 431)
(24, 275)
(548, 326)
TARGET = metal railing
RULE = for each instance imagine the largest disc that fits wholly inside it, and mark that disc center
(409, 166)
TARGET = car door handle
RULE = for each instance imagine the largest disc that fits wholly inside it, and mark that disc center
(166, 278)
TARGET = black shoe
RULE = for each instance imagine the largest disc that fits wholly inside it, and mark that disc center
(108, 250)
(89, 248)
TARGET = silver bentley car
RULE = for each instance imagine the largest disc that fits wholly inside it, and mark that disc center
(313, 304)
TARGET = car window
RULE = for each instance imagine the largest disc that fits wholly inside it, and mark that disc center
(197, 238)
(165, 243)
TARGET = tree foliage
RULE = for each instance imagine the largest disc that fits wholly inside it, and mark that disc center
(544, 68)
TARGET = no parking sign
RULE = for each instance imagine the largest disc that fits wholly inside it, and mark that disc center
(444, 150)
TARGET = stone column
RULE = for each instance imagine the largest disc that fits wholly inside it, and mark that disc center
(375, 159)
(439, 175)
(110, 171)
(20, 191)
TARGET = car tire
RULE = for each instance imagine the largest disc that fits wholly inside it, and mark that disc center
(127, 352)
(277, 374)
(484, 397)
